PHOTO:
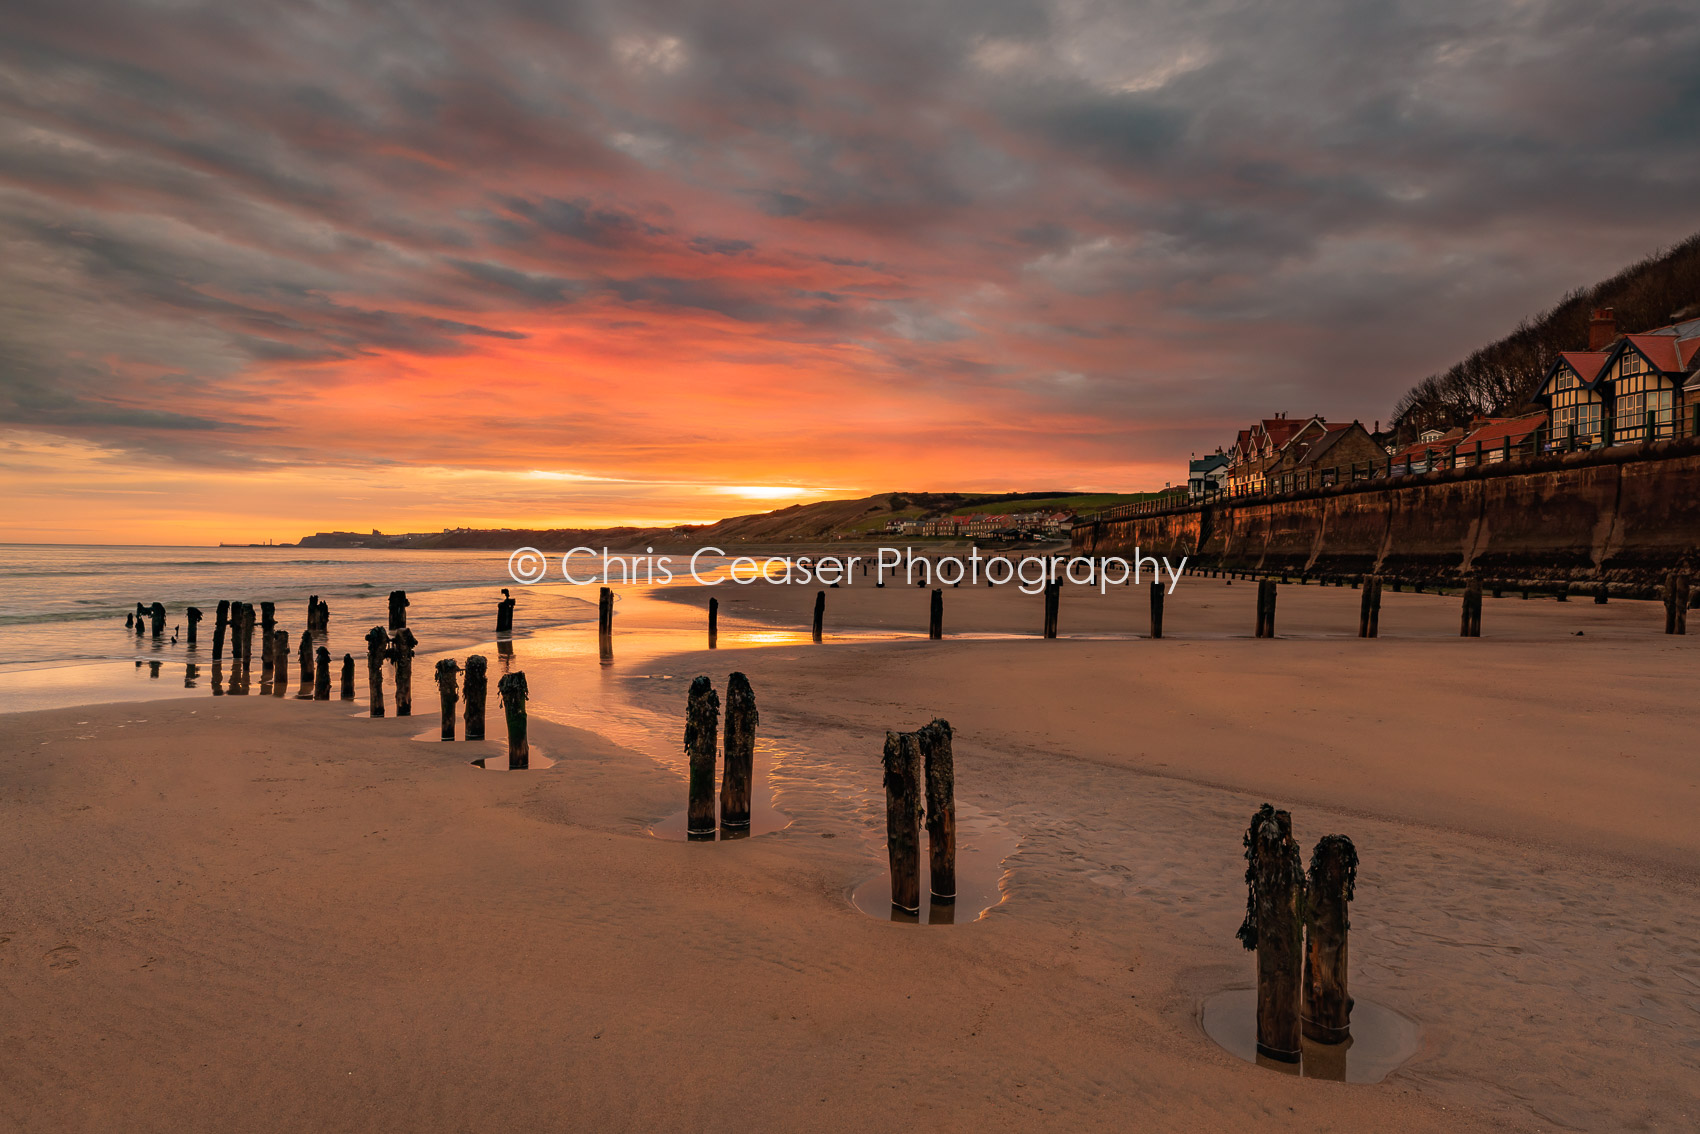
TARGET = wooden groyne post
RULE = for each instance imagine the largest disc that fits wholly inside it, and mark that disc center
(1470, 621)
(398, 609)
(194, 615)
(1333, 879)
(247, 638)
(740, 747)
(346, 686)
(141, 620)
(1053, 598)
(447, 671)
(279, 640)
(820, 614)
(304, 692)
(935, 616)
(474, 686)
(1601, 593)
(1676, 596)
(156, 619)
(940, 771)
(1157, 596)
(713, 622)
(221, 624)
(514, 694)
(322, 674)
(903, 764)
(270, 663)
(402, 643)
(1274, 927)
(1369, 607)
(702, 724)
(605, 611)
(377, 645)
(1266, 593)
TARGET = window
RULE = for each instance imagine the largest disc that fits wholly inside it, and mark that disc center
(1631, 363)
(1588, 420)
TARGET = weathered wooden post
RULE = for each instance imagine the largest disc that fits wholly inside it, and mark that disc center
(935, 616)
(1333, 878)
(304, 691)
(1274, 927)
(1157, 596)
(1471, 624)
(345, 691)
(247, 638)
(447, 671)
(129, 622)
(141, 619)
(473, 686)
(820, 613)
(280, 678)
(1053, 599)
(513, 692)
(1563, 592)
(1266, 608)
(270, 663)
(221, 624)
(505, 613)
(377, 645)
(194, 615)
(713, 622)
(401, 649)
(156, 619)
(398, 609)
(605, 611)
(313, 615)
(702, 723)
(1682, 599)
(903, 819)
(322, 629)
(941, 810)
(322, 674)
(740, 748)
(1600, 593)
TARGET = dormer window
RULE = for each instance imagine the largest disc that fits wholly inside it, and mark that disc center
(1566, 380)
(1631, 363)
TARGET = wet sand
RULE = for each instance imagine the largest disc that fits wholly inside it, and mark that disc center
(245, 913)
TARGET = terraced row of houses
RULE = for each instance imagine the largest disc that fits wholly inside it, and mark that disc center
(1623, 390)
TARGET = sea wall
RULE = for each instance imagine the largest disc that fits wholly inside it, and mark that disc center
(1625, 516)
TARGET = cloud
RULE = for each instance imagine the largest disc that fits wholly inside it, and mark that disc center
(780, 244)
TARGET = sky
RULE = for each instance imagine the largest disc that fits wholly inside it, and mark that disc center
(273, 268)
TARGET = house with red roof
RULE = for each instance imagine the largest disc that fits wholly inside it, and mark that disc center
(1627, 388)
(1257, 450)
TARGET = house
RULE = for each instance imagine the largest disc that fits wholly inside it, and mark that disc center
(1256, 450)
(1625, 388)
(1490, 440)
(1339, 454)
(1430, 451)
(1207, 476)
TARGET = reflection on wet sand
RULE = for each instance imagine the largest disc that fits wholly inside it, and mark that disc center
(1381, 1040)
(982, 845)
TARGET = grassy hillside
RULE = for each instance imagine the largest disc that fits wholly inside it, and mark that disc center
(863, 518)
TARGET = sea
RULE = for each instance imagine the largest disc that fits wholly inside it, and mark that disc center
(62, 608)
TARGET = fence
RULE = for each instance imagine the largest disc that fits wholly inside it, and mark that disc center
(1662, 424)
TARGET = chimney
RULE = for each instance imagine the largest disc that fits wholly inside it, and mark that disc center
(1602, 329)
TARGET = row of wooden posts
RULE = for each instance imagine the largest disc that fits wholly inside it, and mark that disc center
(395, 644)
(1676, 595)
(1297, 923)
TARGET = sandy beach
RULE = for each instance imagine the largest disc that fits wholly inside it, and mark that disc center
(259, 914)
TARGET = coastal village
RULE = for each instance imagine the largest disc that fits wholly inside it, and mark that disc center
(1622, 390)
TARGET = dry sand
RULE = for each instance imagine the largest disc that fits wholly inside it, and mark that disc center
(248, 914)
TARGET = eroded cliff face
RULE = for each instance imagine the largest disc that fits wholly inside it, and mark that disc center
(1626, 516)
